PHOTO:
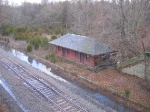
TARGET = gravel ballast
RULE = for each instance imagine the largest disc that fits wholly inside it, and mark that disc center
(32, 103)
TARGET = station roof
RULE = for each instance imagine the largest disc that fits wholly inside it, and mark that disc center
(82, 44)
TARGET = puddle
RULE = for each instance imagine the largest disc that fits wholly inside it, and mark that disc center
(2, 83)
(35, 63)
(112, 103)
(98, 96)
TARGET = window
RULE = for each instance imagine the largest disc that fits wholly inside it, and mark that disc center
(68, 51)
(59, 48)
(88, 57)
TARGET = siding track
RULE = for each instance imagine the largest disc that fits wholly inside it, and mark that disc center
(41, 88)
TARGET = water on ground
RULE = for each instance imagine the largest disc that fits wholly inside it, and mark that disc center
(96, 95)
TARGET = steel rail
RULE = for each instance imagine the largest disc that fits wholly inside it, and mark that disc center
(30, 75)
(33, 86)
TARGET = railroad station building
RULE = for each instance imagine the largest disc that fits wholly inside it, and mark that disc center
(82, 49)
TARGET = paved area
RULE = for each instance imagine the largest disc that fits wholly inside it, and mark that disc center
(137, 70)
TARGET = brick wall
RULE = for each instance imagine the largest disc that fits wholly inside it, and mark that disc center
(70, 54)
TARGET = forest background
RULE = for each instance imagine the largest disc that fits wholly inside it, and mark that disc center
(123, 24)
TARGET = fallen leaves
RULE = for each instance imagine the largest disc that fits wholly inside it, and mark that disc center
(113, 80)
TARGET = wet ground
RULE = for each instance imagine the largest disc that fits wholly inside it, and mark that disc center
(12, 103)
(95, 95)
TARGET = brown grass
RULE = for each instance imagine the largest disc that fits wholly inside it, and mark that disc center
(114, 81)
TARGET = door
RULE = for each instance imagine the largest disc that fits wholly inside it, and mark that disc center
(81, 57)
(63, 51)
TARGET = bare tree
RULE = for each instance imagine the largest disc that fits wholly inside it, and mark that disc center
(121, 23)
(44, 2)
(64, 15)
(1, 3)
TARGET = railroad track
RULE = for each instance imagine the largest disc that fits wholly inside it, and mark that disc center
(41, 88)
